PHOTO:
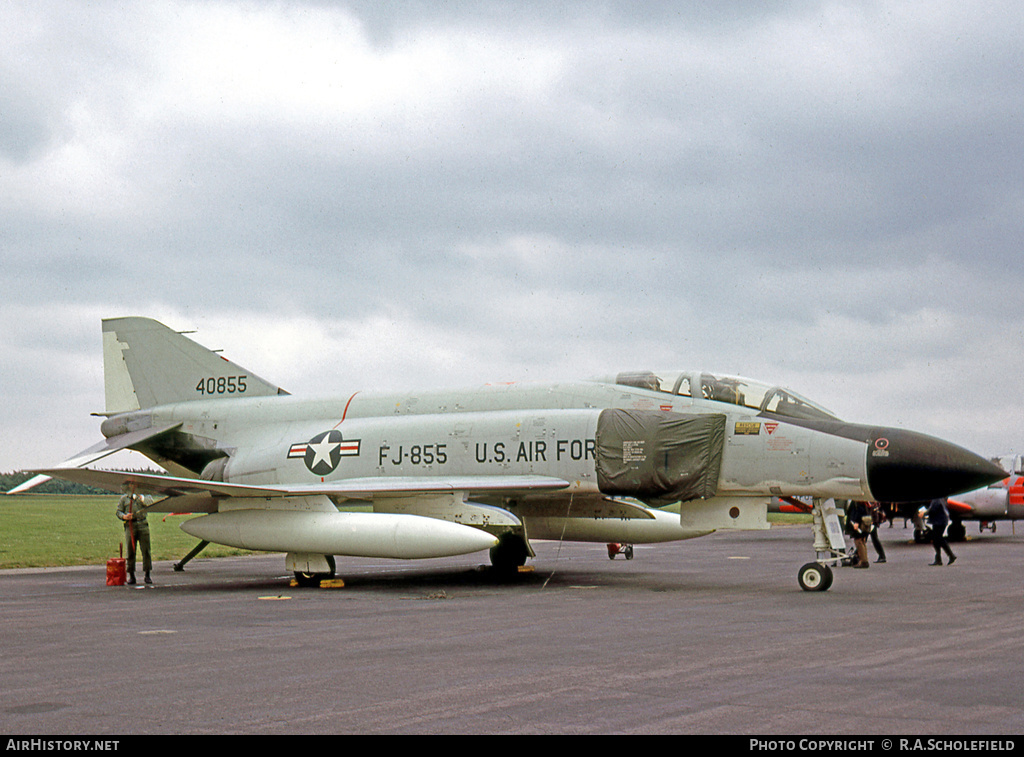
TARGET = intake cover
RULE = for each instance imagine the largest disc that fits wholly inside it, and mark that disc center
(660, 456)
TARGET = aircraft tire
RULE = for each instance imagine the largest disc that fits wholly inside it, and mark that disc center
(815, 577)
(510, 553)
(312, 580)
(308, 580)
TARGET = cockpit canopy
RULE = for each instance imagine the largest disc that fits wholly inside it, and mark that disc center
(732, 389)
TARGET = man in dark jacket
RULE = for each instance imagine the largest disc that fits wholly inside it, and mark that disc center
(877, 516)
(938, 519)
(858, 526)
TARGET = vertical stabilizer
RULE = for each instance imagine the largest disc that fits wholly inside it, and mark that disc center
(147, 364)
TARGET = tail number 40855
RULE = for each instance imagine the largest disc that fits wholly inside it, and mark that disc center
(221, 385)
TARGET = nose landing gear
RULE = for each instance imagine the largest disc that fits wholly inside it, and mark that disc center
(829, 547)
(815, 576)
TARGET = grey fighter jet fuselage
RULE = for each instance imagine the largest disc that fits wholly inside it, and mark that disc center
(455, 471)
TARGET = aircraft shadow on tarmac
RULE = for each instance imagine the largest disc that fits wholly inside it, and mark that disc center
(421, 579)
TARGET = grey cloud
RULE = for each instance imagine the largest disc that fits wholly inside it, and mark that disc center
(812, 190)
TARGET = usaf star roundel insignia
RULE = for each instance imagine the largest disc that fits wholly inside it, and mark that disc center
(324, 451)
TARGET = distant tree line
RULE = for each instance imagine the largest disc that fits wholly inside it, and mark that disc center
(54, 486)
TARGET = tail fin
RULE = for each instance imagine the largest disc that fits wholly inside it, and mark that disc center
(147, 364)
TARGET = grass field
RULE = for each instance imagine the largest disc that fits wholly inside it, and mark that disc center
(39, 530)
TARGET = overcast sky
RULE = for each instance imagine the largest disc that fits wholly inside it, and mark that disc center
(352, 195)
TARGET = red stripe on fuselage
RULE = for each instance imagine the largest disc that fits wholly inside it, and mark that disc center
(345, 411)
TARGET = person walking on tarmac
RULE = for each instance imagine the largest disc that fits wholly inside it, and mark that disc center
(938, 519)
(132, 510)
(877, 516)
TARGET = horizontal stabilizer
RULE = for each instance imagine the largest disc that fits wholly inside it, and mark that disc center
(92, 454)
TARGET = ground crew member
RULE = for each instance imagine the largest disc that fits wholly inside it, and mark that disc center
(132, 511)
(938, 519)
(877, 515)
(858, 525)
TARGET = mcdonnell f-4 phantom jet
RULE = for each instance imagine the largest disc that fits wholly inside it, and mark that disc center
(441, 473)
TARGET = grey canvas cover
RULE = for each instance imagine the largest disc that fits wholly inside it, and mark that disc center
(659, 456)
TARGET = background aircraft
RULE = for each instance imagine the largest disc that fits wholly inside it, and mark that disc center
(450, 472)
(1002, 500)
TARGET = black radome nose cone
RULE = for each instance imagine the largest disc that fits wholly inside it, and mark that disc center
(905, 466)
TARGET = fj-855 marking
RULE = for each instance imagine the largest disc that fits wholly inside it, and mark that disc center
(416, 454)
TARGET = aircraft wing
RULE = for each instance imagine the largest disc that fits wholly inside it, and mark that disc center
(156, 483)
(198, 495)
(384, 486)
(92, 454)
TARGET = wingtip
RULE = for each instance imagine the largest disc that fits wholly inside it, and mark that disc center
(30, 484)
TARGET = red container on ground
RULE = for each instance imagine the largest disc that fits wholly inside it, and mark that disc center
(116, 573)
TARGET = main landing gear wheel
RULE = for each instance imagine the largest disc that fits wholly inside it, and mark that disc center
(510, 554)
(312, 580)
(815, 577)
